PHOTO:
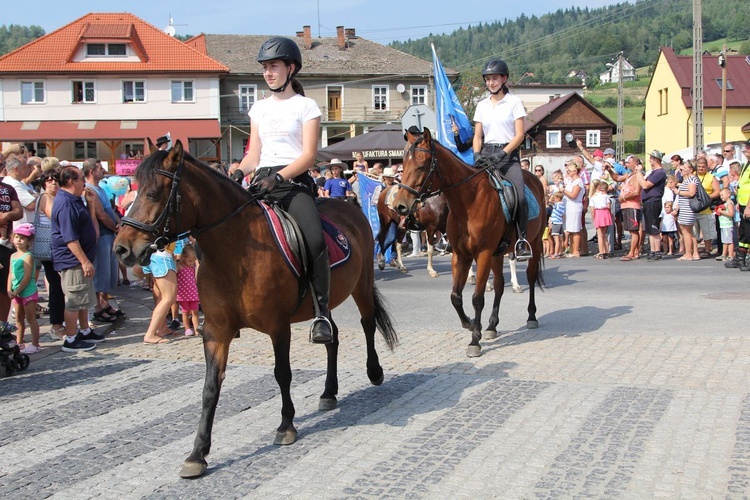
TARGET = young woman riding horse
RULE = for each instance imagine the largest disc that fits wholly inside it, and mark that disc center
(284, 131)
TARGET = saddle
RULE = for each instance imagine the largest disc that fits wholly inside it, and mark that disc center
(288, 237)
(507, 193)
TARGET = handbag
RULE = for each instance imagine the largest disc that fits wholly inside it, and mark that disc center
(701, 200)
(42, 247)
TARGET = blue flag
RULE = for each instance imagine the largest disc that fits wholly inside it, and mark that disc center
(448, 111)
(369, 191)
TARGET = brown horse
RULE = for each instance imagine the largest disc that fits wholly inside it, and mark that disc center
(430, 216)
(243, 279)
(476, 226)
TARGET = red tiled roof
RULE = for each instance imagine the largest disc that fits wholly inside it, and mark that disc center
(159, 52)
(100, 130)
(198, 42)
(738, 75)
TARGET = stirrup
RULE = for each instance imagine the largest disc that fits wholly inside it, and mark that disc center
(330, 327)
(523, 250)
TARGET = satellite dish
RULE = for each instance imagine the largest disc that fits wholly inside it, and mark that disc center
(400, 88)
(169, 30)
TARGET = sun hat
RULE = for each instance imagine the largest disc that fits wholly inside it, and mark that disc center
(25, 229)
(388, 172)
(597, 154)
(609, 151)
(335, 162)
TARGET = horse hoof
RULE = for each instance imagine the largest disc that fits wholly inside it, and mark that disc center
(434, 274)
(192, 469)
(490, 334)
(517, 289)
(403, 270)
(286, 437)
(326, 404)
(532, 324)
(381, 266)
(473, 351)
(378, 381)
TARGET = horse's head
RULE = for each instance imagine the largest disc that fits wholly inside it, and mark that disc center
(155, 214)
(418, 177)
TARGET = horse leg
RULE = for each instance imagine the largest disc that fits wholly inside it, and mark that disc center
(472, 277)
(460, 270)
(286, 433)
(499, 284)
(381, 261)
(513, 274)
(374, 370)
(430, 252)
(216, 349)
(532, 276)
(477, 300)
(328, 398)
(400, 263)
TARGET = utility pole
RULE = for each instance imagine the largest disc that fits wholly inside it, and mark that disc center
(723, 65)
(698, 143)
(620, 144)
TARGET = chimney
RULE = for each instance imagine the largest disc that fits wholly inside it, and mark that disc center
(300, 34)
(350, 33)
(340, 38)
(307, 37)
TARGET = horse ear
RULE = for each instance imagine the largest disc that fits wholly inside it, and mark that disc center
(427, 135)
(151, 147)
(176, 154)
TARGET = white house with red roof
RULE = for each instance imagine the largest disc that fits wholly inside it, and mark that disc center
(100, 85)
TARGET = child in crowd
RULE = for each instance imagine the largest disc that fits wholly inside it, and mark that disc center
(187, 289)
(22, 287)
(556, 225)
(726, 211)
(600, 203)
(668, 227)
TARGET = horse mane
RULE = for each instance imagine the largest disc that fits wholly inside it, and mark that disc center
(146, 171)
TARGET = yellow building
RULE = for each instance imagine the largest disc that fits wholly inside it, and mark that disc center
(669, 102)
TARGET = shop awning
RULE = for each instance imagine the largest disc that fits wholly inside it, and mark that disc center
(102, 130)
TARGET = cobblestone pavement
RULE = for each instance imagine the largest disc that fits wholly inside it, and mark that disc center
(635, 386)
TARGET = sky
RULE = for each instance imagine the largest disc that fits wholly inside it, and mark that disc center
(381, 21)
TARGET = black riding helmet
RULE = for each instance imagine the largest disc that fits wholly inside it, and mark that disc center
(284, 49)
(495, 67)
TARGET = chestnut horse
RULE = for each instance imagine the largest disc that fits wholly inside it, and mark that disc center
(243, 280)
(476, 226)
(429, 216)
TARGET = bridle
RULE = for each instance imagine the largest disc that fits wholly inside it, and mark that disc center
(424, 192)
(160, 228)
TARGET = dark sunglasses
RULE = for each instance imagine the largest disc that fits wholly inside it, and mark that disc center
(537, 170)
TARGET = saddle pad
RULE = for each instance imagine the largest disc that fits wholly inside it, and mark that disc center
(338, 247)
(530, 199)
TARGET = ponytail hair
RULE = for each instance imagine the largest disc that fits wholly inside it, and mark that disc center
(297, 87)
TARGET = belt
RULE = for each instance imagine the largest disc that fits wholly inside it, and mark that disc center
(493, 146)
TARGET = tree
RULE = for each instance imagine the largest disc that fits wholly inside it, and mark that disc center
(14, 36)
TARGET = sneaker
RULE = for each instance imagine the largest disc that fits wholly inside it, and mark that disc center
(189, 332)
(174, 325)
(31, 349)
(76, 344)
(89, 335)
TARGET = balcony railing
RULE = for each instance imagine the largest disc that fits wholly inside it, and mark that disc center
(347, 114)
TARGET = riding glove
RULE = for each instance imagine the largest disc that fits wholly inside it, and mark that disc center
(498, 157)
(237, 176)
(268, 184)
(477, 157)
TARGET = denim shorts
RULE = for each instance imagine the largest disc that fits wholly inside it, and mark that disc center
(161, 263)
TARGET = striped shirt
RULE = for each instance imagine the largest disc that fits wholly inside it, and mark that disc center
(557, 213)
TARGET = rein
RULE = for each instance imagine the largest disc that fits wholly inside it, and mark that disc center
(173, 206)
(423, 195)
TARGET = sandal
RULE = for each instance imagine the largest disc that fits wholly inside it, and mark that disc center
(41, 309)
(104, 317)
(626, 258)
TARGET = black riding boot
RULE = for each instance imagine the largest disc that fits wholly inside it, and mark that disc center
(321, 331)
(523, 248)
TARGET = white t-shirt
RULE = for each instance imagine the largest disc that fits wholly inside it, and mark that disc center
(25, 196)
(279, 124)
(498, 120)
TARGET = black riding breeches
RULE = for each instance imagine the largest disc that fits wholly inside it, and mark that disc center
(510, 167)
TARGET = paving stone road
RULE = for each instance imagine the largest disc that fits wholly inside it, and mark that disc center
(635, 386)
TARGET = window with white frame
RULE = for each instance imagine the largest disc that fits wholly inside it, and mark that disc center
(32, 92)
(418, 94)
(380, 97)
(105, 49)
(182, 91)
(554, 139)
(593, 138)
(133, 91)
(83, 91)
(247, 95)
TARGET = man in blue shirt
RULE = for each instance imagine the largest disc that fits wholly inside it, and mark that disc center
(73, 252)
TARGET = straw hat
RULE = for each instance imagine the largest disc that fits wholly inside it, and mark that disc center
(335, 162)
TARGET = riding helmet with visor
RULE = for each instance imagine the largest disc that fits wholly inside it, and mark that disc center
(495, 67)
(284, 49)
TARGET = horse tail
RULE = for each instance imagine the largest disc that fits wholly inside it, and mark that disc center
(540, 275)
(384, 321)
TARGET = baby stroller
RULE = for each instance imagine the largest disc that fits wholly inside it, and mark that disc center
(11, 357)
